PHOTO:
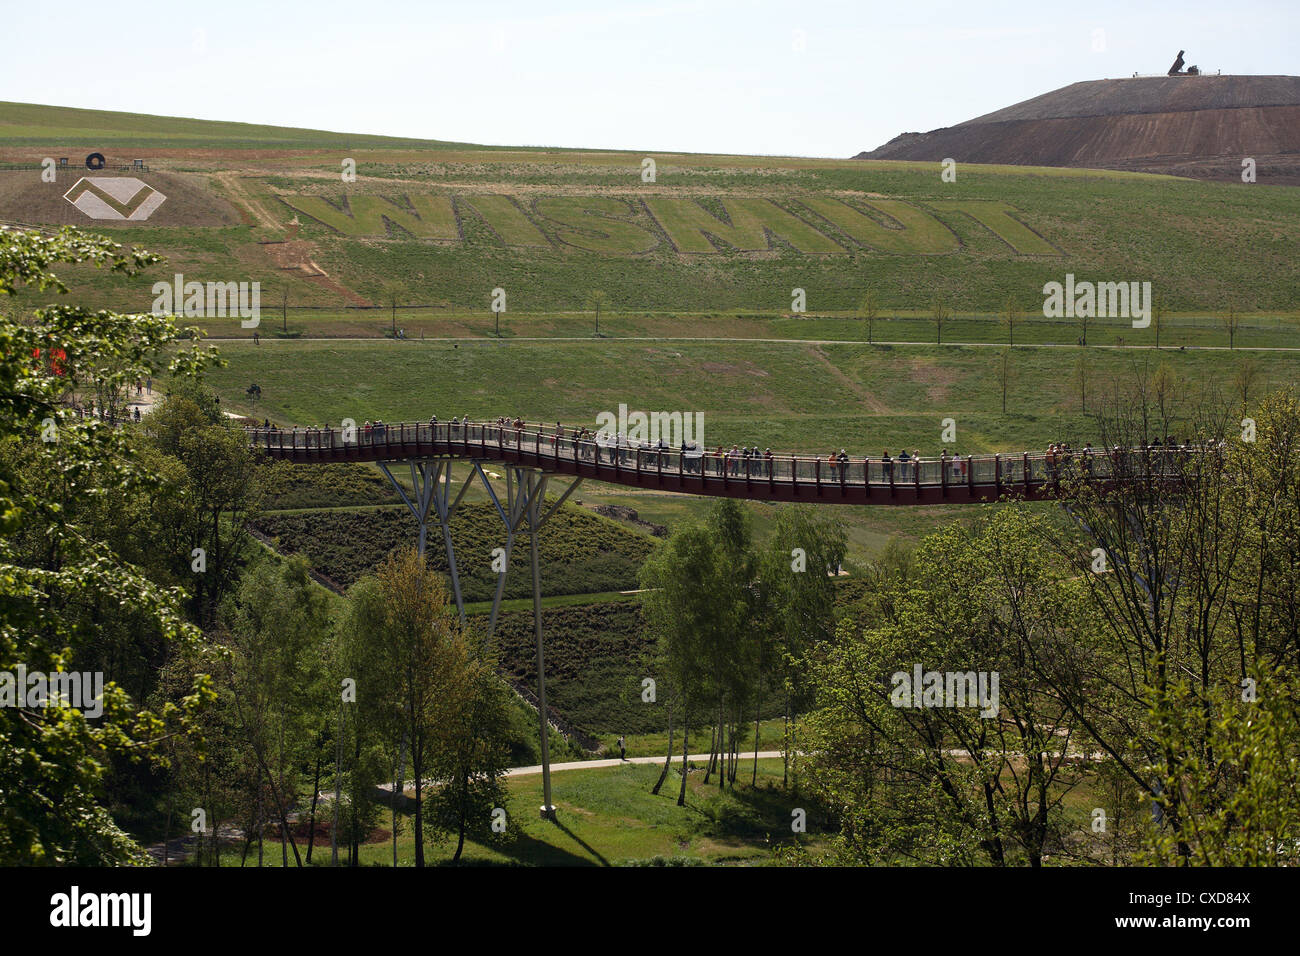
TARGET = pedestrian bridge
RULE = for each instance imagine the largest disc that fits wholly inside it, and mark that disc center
(532, 453)
(556, 450)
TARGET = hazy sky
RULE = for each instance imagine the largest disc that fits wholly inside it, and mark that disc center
(812, 78)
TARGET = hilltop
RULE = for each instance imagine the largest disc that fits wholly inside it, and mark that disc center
(1200, 126)
(31, 124)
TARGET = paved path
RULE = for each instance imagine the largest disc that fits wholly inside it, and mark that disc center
(591, 764)
(634, 339)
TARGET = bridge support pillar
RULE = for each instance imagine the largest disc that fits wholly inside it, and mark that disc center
(431, 486)
(523, 510)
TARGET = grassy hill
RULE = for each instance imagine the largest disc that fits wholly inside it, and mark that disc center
(30, 124)
(580, 552)
(443, 225)
(807, 397)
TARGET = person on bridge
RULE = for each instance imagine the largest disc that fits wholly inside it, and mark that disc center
(767, 458)
(887, 466)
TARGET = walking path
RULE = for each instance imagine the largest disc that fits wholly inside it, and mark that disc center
(633, 339)
(592, 764)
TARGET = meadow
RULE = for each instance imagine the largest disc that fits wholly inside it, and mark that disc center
(793, 397)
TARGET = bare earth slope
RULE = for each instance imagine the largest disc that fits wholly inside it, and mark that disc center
(1199, 126)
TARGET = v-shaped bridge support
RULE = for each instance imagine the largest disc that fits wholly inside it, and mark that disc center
(524, 511)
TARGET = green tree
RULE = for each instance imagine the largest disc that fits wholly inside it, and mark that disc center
(698, 605)
(278, 623)
(796, 609)
(53, 759)
(870, 309)
(948, 781)
(472, 743)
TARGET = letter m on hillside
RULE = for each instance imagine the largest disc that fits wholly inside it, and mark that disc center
(750, 225)
(422, 216)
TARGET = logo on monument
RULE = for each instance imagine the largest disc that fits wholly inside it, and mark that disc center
(115, 197)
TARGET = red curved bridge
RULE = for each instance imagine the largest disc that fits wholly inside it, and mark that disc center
(556, 450)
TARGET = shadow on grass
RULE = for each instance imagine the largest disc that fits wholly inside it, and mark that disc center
(531, 851)
(582, 843)
(750, 814)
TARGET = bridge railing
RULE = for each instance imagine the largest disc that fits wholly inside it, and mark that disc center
(545, 444)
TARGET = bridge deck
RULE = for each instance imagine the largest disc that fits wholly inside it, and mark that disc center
(962, 480)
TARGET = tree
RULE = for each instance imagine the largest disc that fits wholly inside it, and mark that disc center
(870, 310)
(369, 724)
(697, 602)
(597, 300)
(1160, 644)
(52, 607)
(417, 630)
(279, 629)
(795, 611)
(1245, 378)
(393, 292)
(1010, 315)
(1082, 375)
(1006, 375)
(1164, 389)
(939, 312)
(1231, 322)
(224, 493)
(471, 743)
(1158, 315)
(971, 779)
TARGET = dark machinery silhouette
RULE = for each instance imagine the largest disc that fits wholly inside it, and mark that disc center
(1177, 68)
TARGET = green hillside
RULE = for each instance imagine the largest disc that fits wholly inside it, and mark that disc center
(30, 124)
(442, 225)
(580, 552)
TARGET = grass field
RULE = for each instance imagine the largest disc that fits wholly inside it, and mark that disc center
(792, 397)
(607, 816)
(1274, 331)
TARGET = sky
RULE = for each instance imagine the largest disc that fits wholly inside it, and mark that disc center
(810, 78)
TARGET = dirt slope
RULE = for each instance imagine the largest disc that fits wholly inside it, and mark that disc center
(1189, 125)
